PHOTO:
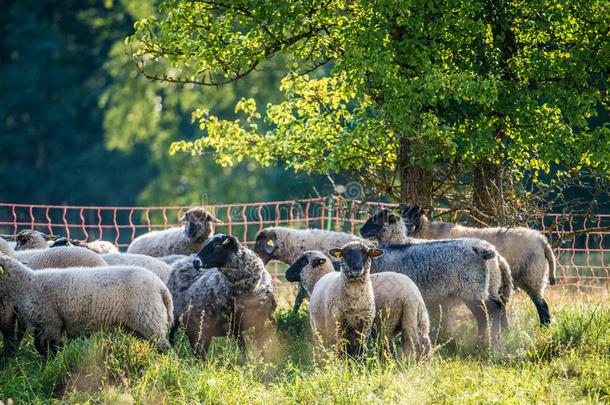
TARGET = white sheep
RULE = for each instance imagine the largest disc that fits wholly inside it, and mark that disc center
(342, 304)
(399, 306)
(159, 268)
(40, 259)
(81, 300)
(286, 244)
(180, 240)
(527, 251)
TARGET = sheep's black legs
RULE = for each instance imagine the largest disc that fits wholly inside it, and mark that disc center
(491, 308)
(543, 309)
(301, 295)
(172, 332)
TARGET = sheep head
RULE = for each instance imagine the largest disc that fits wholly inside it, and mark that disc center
(29, 239)
(309, 268)
(413, 216)
(355, 259)
(219, 252)
(266, 244)
(198, 224)
(378, 225)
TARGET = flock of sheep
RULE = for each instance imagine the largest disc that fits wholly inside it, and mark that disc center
(211, 285)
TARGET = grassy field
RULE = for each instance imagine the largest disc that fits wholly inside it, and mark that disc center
(569, 362)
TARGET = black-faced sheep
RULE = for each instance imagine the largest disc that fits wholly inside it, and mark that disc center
(159, 268)
(388, 227)
(181, 240)
(527, 251)
(342, 304)
(98, 246)
(232, 293)
(399, 306)
(82, 300)
(286, 244)
(445, 271)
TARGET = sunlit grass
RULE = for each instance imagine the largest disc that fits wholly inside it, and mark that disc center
(567, 362)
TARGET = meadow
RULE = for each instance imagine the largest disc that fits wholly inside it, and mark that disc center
(568, 362)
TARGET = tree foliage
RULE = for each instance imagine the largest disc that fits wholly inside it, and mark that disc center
(425, 99)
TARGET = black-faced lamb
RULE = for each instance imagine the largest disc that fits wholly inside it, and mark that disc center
(399, 306)
(342, 304)
(286, 244)
(180, 240)
(78, 301)
(98, 246)
(445, 271)
(159, 268)
(527, 251)
(388, 227)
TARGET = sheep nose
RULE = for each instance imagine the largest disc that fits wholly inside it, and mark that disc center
(197, 263)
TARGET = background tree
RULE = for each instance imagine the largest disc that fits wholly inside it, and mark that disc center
(482, 103)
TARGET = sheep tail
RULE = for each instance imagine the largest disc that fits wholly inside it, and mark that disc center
(550, 258)
(486, 254)
(506, 289)
(167, 301)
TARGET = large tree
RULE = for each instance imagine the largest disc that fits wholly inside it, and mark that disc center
(425, 99)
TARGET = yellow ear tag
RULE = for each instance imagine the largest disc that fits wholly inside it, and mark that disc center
(226, 242)
(1, 270)
(395, 211)
(270, 242)
(69, 243)
(338, 255)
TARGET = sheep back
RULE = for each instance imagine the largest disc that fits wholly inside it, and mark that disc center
(159, 268)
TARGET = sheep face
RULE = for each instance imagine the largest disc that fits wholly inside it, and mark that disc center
(376, 226)
(306, 261)
(412, 215)
(28, 239)
(219, 251)
(309, 268)
(355, 259)
(266, 245)
(63, 241)
(198, 224)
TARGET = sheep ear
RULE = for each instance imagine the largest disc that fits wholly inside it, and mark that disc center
(1, 270)
(319, 262)
(50, 237)
(374, 252)
(213, 219)
(8, 237)
(182, 218)
(335, 252)
(226, 242)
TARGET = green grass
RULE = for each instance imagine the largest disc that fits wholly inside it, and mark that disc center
(569, 362)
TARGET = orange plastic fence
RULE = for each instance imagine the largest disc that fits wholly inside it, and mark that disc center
(583, 260)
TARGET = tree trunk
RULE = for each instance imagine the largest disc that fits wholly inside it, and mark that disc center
(415, 182)
(487, 193)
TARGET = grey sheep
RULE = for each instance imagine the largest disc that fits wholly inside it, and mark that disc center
(527, 251)
(444, 271)
(81, 300)
(388, 227)
(180, 240)
(225, 298)
(286, 244)
(159, 268)
(30, 239)
(399, 306)
(342, 304)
